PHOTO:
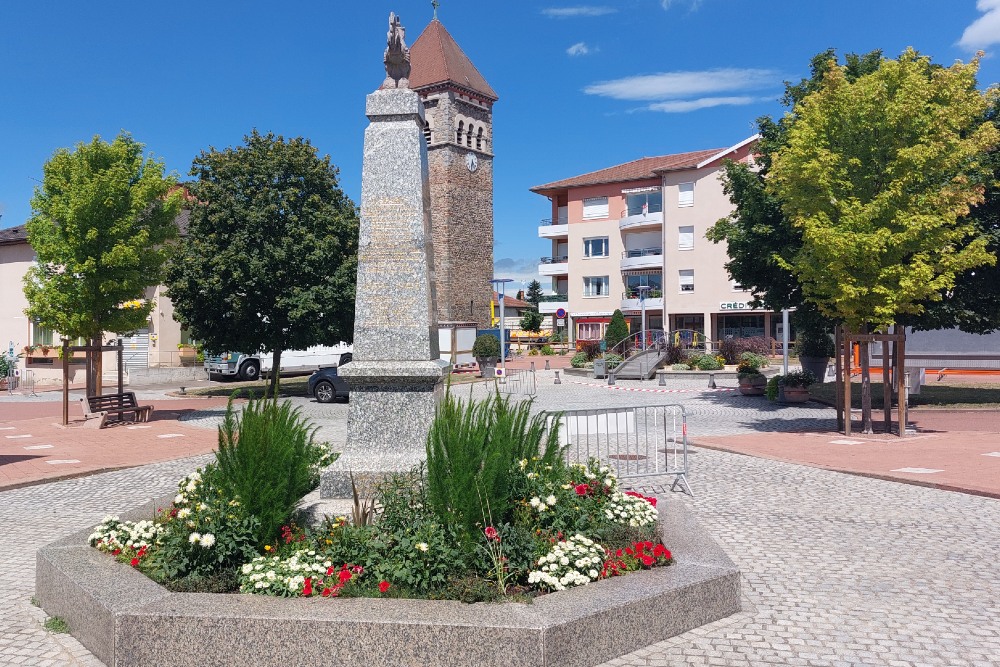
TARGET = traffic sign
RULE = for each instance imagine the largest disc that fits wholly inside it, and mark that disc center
(560, 313)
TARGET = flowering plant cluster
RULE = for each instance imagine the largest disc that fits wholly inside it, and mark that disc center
(641, 555)
(573, 562)
(306, 573)
(127, 541)
(630, 509)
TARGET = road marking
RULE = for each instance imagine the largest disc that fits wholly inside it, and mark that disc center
(40, 447)
(132, 428)
(997, 454)
(918, 471)
(8, 428)
(846, 442)
(12, 437)
(171, 435)
(56, 462)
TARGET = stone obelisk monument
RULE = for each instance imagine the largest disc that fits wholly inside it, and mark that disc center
(396, 375)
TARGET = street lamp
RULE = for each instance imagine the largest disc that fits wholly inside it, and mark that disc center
(642, 290)
(499, 284)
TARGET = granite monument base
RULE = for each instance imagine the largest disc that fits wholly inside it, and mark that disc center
(127, 620)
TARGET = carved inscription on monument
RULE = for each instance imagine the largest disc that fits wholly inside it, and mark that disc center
(391, 250)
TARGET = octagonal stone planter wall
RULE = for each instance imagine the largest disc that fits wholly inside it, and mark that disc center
(126, 619)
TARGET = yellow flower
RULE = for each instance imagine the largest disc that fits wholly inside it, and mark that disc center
(267, 547)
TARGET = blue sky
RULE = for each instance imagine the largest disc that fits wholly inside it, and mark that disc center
(582, 86)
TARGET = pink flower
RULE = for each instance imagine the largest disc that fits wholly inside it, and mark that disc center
(491, 533)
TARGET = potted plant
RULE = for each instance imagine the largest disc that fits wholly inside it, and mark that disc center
(752, 381)
(796, 386)
(45, 349)
(814, 349)
(486, 350)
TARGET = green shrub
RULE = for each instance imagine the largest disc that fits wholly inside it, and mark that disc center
(547, 350)
(487, 346)
(579, 360)
(799, 379)
(471, 450)
(268, 458)
(680, 367)
(533, 352)
(771, 390)
(814, 344)
(617, 330)
(613, 360)
(707, 362)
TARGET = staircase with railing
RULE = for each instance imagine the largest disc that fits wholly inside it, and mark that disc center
(642, 354)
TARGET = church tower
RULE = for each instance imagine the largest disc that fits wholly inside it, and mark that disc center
(458, 106)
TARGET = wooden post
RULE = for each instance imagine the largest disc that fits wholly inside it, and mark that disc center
(847, 383)
(901, 371)
(65, 391)
(121, 369)
(886, 386)
(839, 386)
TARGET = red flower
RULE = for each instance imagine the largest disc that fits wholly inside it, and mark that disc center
(666, 554)
(634, 494)
(330, 570)
(582, 489)
(652, 500)
(491, 533)
(629, 551)
(135, 562)
(658, 550)
(307, 588)
(647, 561)
(383, 586)
(327, 592)
(116, 552)
(344, 576)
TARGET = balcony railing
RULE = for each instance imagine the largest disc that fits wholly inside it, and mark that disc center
(650, 294)
(553, 298)
(642, 252)
(637, 210)
(558, 221)
(561, 259)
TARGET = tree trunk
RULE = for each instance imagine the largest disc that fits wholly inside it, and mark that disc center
(272, 390)
(866, 388)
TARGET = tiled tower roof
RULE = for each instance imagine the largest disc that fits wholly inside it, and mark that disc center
(436, 58)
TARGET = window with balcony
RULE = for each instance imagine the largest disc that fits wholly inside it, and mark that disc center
(596, 285)
(654, 281)
(40, 335)
(595, 208)
(687, 280)
(685, 238)
(685, 194)
(595, 247)
(643, 203)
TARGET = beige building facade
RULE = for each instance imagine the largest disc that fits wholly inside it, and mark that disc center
(639, 229)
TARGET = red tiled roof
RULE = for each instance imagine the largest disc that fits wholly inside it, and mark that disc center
(511, 302)
(647, 167)
(436, 58)
(11, 235)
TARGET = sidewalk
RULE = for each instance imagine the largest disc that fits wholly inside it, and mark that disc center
(952, 450)
(35, 447)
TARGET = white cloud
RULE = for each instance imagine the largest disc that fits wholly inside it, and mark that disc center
(578, 49)
(683, 106)
(693, 5)
(521, 269)
(985, 30)
(676, 85)
(584, 10)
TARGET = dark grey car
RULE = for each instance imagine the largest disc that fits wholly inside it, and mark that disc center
(326, 385)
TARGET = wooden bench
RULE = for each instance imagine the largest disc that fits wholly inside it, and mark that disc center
(100, 408)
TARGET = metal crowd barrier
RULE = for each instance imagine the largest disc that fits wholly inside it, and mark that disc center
(635, 441)
(518, 383)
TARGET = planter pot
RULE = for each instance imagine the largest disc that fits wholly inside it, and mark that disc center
(487, 367)
(795, 395)
(753, 386)
(817, 365)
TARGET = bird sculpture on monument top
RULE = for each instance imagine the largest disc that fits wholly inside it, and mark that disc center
(397, 56)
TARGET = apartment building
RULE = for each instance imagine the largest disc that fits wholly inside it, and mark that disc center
(639, 228)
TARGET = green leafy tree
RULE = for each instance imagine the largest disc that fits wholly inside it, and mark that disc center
(102, 218)
(879, 174)
(617, 330)
(534, 296)
(270, 259)
(531, 321)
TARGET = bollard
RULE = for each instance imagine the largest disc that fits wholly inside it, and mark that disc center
(547, 364)
(711, 381)
(611, 378)
(532, 366)
(558, 381)
(183, 392)
(663, 379)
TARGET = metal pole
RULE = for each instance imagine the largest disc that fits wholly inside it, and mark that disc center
(643, 289)
(501, 283)
(65, 373)
(784, 342)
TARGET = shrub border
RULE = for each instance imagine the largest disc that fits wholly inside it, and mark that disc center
(126, 620)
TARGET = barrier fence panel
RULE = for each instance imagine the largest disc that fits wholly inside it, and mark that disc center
(517, 383)
(635, 441)
(13, 379)
(28, 382)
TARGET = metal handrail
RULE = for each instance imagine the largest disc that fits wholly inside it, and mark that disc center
(642, 252)
(651, 294)
(626, 213)
(556, 221)
(555, 260)
(550, 298)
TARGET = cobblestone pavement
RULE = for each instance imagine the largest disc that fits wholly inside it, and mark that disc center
(838, 570)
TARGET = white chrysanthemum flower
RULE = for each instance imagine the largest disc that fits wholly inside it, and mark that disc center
(183, 513)
(551, 500)
(193, 538)
(421, 546)
(535, 502)
(207, 540)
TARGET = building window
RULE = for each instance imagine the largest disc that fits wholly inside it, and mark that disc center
(468, 135)
(427, 132)
(737, 287)
(685, 194)
(687, 280)
(596, 247)
(595, 207)
(654, 281)
(458, 134)
(595, 286)
(685, 238)
(644, 202)
(40, 335)
(479, 139)
(590, 330)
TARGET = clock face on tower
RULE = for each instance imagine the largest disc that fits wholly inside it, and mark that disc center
(471, 161)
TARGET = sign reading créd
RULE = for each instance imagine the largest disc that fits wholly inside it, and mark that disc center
(734, 305)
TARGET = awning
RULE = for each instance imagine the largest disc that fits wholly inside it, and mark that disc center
(642, 272)
(636, 191)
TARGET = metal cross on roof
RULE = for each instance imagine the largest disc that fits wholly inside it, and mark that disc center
(435, 4)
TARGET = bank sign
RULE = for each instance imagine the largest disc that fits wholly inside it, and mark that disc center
(734, 305)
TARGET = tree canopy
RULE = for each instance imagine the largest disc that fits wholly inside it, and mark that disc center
(534, 295)
(617, 330)
(879, 174)
(269, 262)
(102, 217)
(531, 321)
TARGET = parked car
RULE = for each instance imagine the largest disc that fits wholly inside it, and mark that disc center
(325, 385)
